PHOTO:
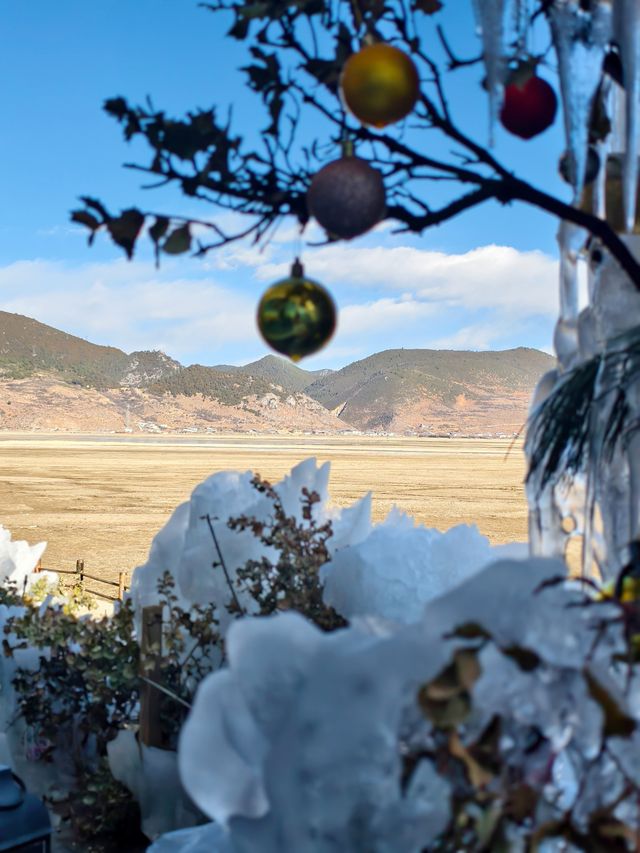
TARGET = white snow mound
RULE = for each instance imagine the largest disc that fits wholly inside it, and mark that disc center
(389, 570)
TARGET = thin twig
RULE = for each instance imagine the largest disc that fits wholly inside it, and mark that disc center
(166, 691)
(223, 565)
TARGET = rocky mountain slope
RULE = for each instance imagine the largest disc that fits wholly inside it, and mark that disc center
(52, 380)
(279, 372)
(435, 391)
(28, 347)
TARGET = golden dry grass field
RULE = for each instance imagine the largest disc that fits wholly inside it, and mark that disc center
(103, 498)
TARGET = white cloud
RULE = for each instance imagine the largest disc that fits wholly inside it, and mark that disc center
(130, 305)
(493, 296)
(383, 315)
(498, 277)
(478, 336)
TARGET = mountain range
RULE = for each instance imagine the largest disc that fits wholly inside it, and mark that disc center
(51, 380)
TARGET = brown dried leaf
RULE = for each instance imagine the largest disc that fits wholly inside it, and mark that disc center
(467, 667)
(478, 776)
(521, 803)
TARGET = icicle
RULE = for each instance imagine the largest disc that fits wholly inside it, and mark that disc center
(570, 240)
(580, 39)
(521, 16)
(490, 18)
(627, 35)
(603, 147)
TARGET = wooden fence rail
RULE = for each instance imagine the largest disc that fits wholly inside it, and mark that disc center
(122, 583)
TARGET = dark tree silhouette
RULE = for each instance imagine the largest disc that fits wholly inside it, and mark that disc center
(298, 50)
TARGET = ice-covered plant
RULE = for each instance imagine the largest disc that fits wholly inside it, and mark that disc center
(88, 679)
(505, 774)
(9, 594)
(191, 648)
(506, 719)
(292, 581)
(41, 588)
(87, 689)
(78, 600)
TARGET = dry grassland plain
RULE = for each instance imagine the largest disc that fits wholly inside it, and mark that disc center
(102, 498)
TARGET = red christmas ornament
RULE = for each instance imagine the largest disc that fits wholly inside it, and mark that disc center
(530, 105)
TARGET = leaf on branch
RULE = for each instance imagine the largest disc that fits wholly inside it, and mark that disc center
(469, 631)
(159, 228)
(328, 71)
(486, 749)
(83, 217)
(446, 700)
(157, 232)
(178, 242)
(429, 7)
(478, 776)
(521, 803)
(526, 659)
(125, 228)
(120, 110)
(266, 80)
(116, 107)
(269, 10)
(186, 139)
(96, 205)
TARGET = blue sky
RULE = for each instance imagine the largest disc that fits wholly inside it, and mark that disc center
(484, 280)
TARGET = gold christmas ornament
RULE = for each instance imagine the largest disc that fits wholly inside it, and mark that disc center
(296, 316)
(347, 197)
(379, 84)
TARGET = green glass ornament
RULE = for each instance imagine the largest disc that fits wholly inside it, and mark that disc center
(296, 316)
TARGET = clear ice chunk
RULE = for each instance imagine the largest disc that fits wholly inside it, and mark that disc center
(400, 566)
(151, 775)
(295, 746)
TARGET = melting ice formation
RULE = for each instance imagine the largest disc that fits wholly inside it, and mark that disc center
(388, 570)
(296, 744)
(18, 560)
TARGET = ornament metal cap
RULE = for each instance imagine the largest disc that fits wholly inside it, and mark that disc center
(297, 270)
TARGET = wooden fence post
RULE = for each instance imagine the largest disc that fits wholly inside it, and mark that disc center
(150, 655)
(121, 580)
(80, 570)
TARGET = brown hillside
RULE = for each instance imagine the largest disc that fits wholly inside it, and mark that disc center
(435, 391)
(52, 380)
(45, 404)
